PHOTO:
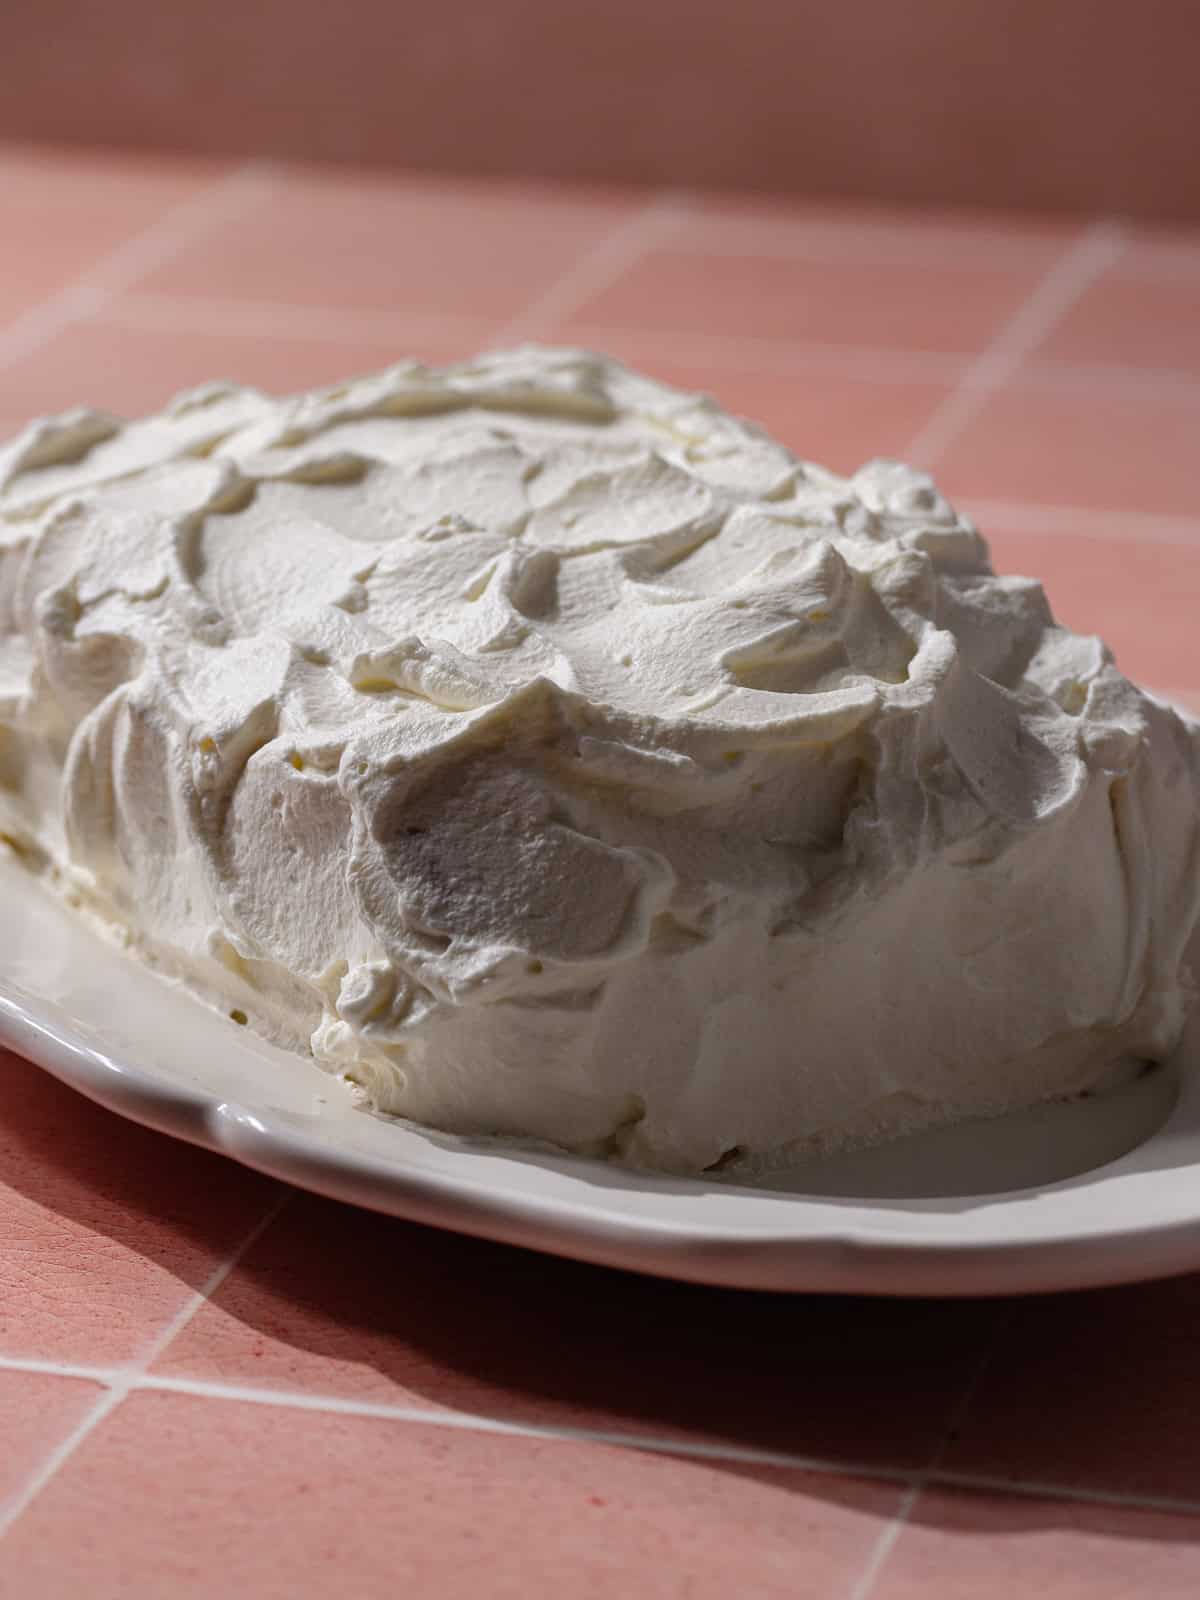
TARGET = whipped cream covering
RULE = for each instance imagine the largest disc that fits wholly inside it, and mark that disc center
(556, 756)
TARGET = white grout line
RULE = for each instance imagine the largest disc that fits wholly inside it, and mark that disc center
(912, 242)
(254, 318)
(472, 1422)
(57, 1369)
(123, 1380)
(278, 320)
(1082, 522)
(800, 358)
(890, 1536)
(134, 260)
(19, 1503)
(137, 1378)
(205, 314)
(1147, 271)
(184, 1315)
(886, 1543)
(1031, 1489)
(781, 358)
(1087, 376)
(1020, 336)
(597, 269)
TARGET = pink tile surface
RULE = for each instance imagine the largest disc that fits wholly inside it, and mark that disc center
(778, 225)
(332, 239)
(898, 305)
(132, 370)
(1106, 445)
(106, 1230)
(37, 1413)
(409, 1317)
(983, 1547)
(62, 211)
(1159, 251)
(1134, 320)
(1141, 596)
(1098, 1391)
(837, 418)
(845, 330)
(172, 1490)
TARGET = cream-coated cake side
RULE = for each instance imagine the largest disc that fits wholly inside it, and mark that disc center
(555, 756)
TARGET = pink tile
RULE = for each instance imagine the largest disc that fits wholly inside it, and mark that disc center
(866, 303)
(133, 370)
(1142, 598)
(986, 1547)
(837, 419)
(781, 224)
(400, 244)
(106, 1229)
(1158, 250)
(187, 1497)
(1094, 1391)
(62, 211)
(1124, 319)
(1107, 445)
(37, 1412)
(95, 184)
(336, 1302)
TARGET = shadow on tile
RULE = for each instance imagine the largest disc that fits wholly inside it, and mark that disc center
(1098, 1390)
(341, 1302)
(296, 1502)
(994, 1546)
(105, 1227)
(1085, 1390)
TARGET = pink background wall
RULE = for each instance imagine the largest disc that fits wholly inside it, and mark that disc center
(1077, 104)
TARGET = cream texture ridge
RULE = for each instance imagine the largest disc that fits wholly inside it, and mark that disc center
(554, 756)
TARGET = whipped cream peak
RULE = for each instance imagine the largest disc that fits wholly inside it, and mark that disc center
(554, 754)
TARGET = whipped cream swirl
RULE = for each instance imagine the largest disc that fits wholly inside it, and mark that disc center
(553, 755)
